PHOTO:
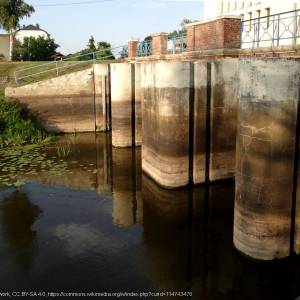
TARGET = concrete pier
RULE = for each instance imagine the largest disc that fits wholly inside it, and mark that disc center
(223, 118)
(122, 100)
(102, 96)
(267, 114)
(166, 111)
(201, 79)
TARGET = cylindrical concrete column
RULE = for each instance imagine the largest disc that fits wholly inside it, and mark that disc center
(166, 111)
(138, 105)
(201, 79)
(122, 100)
(267, 114)
(102, 96)
(224, 87)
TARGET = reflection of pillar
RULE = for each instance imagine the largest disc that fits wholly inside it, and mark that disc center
(104, 176)
(127, 208)
(265, 157)
(276, 280)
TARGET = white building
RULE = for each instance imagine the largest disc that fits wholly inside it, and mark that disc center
(262, 26)
(30, 31)
(247, 9)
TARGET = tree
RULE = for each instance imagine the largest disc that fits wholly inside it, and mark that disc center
(91, 45)
(12, 12)
(105, 50)
(34, 49)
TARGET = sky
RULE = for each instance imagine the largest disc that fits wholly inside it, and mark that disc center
(114, 21)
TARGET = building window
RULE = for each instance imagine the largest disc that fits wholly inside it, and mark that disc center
(258, 14)
(267, 15)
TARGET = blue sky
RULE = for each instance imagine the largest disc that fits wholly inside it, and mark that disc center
(115, 21)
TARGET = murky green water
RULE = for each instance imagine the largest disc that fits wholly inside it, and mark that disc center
(79, 216)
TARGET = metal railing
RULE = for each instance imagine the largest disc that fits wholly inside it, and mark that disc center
(274, 30)
(144, 48)
(66, 65)
(177, 44)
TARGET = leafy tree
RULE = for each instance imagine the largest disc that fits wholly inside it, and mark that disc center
(12, 12)
(34, 49)
(105, 49)
(182, 30)
(91, 47)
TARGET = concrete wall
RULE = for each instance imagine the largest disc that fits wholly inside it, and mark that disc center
(166, 99)
(5, 46)
(265, 156)
(68, 103)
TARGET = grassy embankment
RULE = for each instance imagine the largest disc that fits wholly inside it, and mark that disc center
(16, 126)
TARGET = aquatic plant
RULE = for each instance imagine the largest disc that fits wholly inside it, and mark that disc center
(19, 128)
(63, 150)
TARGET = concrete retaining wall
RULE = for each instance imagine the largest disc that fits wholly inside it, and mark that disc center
(70, 103)
(265, 156)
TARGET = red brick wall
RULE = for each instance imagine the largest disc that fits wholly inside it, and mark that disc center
(217, 34)
(132, 49)
(160, 44)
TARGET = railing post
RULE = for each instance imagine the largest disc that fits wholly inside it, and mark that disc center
(132, 48)
(160, 43)
(258, 28)
(278, 29)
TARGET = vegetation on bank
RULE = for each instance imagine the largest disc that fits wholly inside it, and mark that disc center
(18, 128)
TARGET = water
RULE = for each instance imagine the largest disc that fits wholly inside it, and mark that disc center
(79, 216)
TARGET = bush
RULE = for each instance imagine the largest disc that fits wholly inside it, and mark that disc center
(17, 127)
(34, 49)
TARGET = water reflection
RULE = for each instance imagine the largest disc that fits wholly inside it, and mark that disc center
(17, 217)
(100, 225)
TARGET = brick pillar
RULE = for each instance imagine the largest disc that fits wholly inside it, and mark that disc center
(219, 33)
(132, 48)
(160, 43)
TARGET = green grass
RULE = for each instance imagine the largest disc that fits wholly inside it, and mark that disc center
(7, 70)
(18, 128)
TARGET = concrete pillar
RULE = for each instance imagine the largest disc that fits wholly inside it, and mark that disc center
(122, 100)
(138, 105)
(269, 91)
(132, 48)
(223, 117)
(200, 119)
(102, 96)
(160, 43)
(166, 115)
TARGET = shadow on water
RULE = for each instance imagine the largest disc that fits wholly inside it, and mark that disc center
(17, 216)
(105, 226)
